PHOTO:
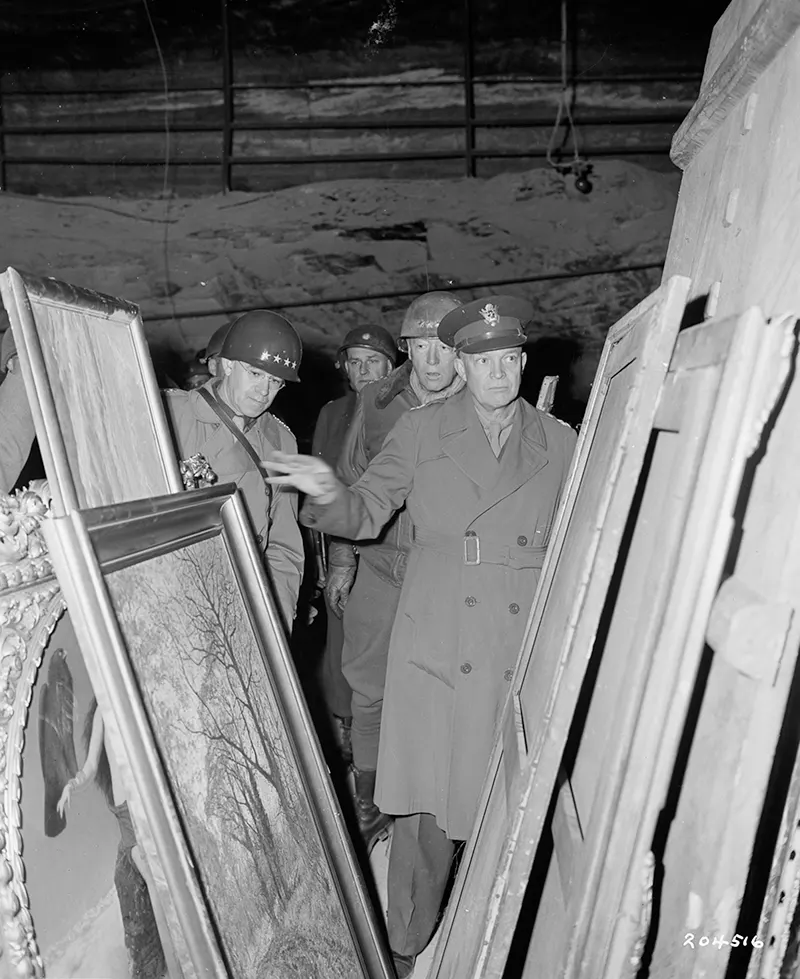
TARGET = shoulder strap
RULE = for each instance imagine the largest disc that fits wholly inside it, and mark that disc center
(239, 436)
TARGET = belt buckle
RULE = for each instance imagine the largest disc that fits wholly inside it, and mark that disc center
(472, 548)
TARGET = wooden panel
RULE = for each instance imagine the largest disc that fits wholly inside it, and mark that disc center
(682, 532)
(726, 33)
(98, 414)
(478, 927)
(736, 230)
(769, 30)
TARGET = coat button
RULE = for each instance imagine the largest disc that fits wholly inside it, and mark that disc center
(466, 668)
(508, 675)
(522, 541)
(469, 600)
(513, 608)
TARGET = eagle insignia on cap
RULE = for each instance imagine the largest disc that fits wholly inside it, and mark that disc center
(490, 314)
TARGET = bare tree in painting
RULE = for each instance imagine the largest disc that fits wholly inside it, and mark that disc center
(255, 791)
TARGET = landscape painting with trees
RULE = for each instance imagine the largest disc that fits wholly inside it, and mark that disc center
(234, 773)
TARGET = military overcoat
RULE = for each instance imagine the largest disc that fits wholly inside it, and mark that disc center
(197, 429)
(459, 625)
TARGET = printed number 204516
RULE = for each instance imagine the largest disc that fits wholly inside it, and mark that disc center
(720, 941)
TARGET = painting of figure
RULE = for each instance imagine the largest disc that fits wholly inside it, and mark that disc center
(231, 766)
(87, 883)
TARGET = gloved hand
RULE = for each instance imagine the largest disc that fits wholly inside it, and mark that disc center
(342, 564)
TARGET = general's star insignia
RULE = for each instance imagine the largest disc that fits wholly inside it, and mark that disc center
(490, 314)
(286, 361)
(267, 355)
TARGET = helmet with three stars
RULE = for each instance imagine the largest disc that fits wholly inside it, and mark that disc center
(264, 339)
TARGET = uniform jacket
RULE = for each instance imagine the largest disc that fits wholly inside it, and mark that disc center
(332, 424)
(196, 428)
(459, 626)
(378, 408)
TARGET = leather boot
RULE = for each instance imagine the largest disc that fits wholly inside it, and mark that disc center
(372, 823)
(341, 731)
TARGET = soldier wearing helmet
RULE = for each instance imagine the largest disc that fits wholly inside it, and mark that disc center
(228, 421)
(211, 355)
(481, 474)
(367, 584)
(366, 354)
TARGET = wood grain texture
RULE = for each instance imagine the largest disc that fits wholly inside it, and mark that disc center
(480, 921)
(755, 259)
(771, 28)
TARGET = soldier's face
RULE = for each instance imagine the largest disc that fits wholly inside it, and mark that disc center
(364, 365)
(247, 390)
(433, 362)
(493, 378)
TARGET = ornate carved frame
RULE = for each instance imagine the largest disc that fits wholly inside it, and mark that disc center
(31, 604)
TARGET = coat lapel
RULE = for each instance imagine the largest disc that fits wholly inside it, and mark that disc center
(523, 455)
(463, 440)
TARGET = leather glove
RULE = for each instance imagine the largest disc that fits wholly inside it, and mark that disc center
(342, 564)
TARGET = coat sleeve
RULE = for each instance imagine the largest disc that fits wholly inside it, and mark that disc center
(284, 554)
(360, 511)
(18, 432)
(320, 431)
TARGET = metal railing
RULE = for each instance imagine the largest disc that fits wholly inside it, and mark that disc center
(227, 159)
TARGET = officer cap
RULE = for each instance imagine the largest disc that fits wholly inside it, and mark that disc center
(493, 323)
(215, 343)
(373, 337)
(267, 340)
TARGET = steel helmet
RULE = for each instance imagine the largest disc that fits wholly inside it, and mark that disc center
(215, 343)
(425, 313)
(373, 337)
(267, 340)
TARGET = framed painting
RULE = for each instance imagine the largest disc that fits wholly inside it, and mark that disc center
(99, 420)
(221, 767)
(478, 926)
(75, 902)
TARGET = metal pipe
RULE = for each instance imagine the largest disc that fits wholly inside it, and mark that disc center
(400, 293)
(532, 154)
(227, 99)
(469, 91)
(608, 119)
(368, 83)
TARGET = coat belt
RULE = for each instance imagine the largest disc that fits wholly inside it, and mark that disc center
(491, 551)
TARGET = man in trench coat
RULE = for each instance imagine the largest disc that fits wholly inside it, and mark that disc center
(481, 475)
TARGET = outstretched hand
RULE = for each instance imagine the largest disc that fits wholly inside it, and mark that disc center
(309, 474)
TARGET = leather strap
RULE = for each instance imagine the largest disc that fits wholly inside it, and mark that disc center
(239, 436)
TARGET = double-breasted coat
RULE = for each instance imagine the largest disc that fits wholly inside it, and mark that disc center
(459, 625)
(197, 429)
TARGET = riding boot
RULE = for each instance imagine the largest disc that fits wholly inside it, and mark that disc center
(341, 730)
(372, 823)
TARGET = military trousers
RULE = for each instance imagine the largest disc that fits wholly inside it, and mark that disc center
(420, 860)
(335, 688)
(368, 620)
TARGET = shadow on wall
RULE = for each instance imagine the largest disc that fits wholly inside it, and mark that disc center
(299, 404)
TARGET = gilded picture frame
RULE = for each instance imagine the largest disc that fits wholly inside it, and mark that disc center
(93, 394)
(224, 774)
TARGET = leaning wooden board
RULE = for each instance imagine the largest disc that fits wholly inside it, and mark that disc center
(737, 234)
(724, 379)
(478, 927)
